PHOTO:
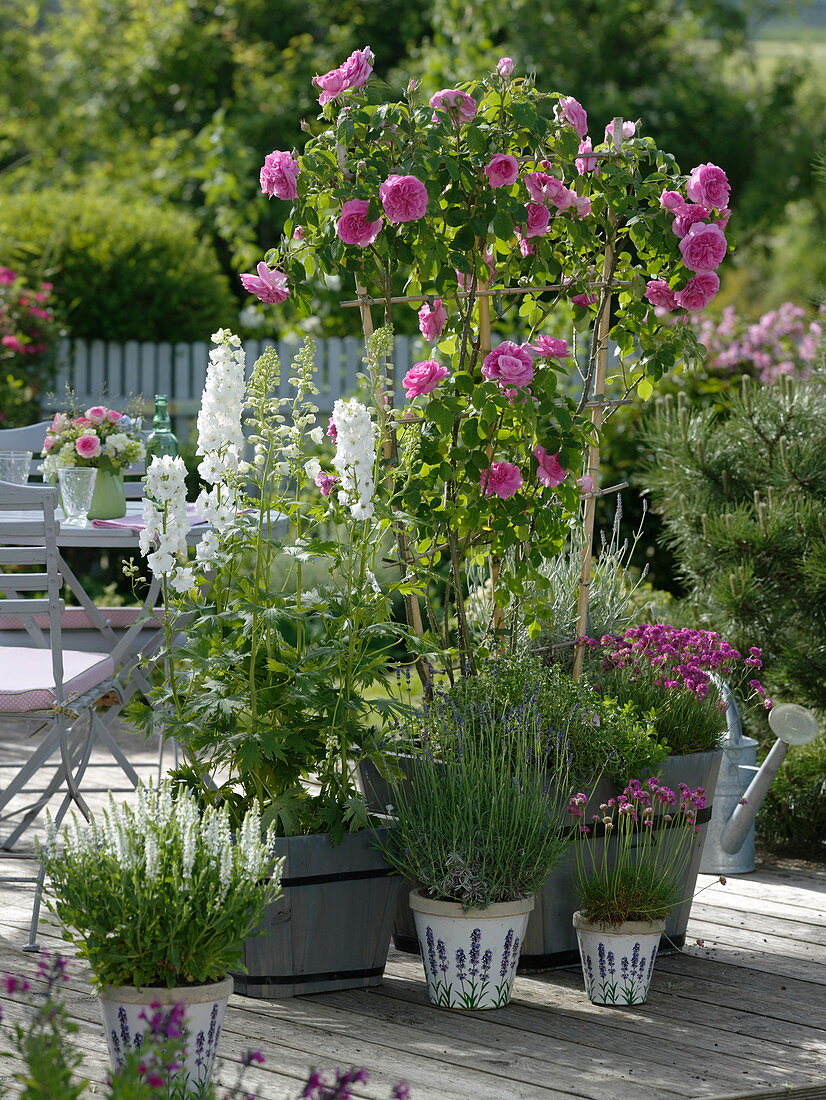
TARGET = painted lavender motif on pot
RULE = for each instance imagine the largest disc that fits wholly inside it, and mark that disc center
(617, 964)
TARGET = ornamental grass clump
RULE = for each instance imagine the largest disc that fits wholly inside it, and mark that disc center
(478, 819)
(637, 878)
(160, 894)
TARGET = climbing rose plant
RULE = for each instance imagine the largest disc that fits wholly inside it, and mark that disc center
(490, 200)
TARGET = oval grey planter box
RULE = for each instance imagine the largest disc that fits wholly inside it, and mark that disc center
(331, 927)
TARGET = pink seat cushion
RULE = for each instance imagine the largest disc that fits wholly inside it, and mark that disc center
(27, 679)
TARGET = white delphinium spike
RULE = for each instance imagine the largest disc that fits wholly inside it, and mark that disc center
(355, 456)
(163, 540)
(220, 434)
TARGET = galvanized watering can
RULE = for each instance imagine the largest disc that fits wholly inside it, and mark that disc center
(742, 786)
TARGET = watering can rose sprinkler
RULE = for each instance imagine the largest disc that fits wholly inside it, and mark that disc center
(742, 785)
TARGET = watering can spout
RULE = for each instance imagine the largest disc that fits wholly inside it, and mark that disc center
(744, 813)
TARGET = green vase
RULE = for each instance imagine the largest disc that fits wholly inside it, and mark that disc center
(108, 498)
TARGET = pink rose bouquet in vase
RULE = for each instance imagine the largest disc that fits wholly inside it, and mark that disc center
(103, 438)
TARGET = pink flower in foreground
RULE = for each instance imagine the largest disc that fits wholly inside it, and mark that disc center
(502, 170)
(539, 218)
(331, 84)
(672, 201)
(698, 292)
(568, 110)
(326, 483)
(49, 443)
(459, 105)
(97, 414)
(7, 276)
(585, 163)
(404, 198)
(268, 286)
(703, 247)
(501, 479)
(544, 188)
(709, 186)
(550, 348)
(352, 225)
(628, 130)
(87, 446)
(659, 293)
(549, 471)
(688, 215)
(582, 205)
(278, 175)
(423, 378)
(586, 483)
(353, 73)
(583, 300)
(509, 364)
(13, 344)
(505, 67)
(432, 320)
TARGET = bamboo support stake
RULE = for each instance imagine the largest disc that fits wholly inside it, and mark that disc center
(481, 293)
(597, 417)
(484, 296)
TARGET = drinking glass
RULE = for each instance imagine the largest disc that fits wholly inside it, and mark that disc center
(15, 466)
(77, 483)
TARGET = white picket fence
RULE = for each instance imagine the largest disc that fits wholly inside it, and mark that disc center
(98, 372)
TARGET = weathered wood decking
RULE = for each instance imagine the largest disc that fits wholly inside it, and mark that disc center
(742, 1013)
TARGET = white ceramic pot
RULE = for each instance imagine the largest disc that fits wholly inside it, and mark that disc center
(126, 1015)
(469, 958)
(618, 959)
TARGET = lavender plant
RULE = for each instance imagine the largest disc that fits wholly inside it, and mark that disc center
(160, 894)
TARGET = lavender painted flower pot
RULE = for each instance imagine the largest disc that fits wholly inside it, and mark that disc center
(618, 960)
(469, 957)
(127, 1018)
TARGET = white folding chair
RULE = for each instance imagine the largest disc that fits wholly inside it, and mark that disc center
(29, 437)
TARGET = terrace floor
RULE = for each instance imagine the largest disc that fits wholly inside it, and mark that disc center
(740, 1013)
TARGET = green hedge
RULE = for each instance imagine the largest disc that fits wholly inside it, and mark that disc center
(124, 268)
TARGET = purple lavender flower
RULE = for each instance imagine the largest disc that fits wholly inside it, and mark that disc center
(611, 969)
(487, 960)
(441, 951)
(506, 951)
(460, 964)
(635, 960)
(601, 956)
(475, 950)
(431, 950)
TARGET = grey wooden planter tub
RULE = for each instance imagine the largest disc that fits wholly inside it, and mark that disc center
(331, 927)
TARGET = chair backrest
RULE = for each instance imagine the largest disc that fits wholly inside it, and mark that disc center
(27, 438)
(27, 512)
(133, 475)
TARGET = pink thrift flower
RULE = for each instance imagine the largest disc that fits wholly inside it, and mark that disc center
(586, 483)
(585, 163)
(709, 186)
(549, 471)
(703, 247)
(584, 300)
(698, 292)
(502, 170)
(688, 215)
(88, 446)
(509, 364)
(268, 286)
(460, 106)
(505, 67)
(658, 293)
(326, 483)
(501, 479)
(569, 111)
(352, 225)
(404, 199)
(539, 219)
(278, 175)
(432, 320)
(550, 348)
(423, 378)
(97, 414)
(672, 201)
(628, 130)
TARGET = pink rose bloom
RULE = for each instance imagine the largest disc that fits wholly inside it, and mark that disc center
(404, 199)
(550, 348)
(298, 233)
(354, 73)
(505, 67)
(501, 479)
(49, 442)
(582, 205)
(723, 219)
(549, 471)
(13, 344)
(568, 110)
(432, 320)
(97, 414)
(584, 299)
(459, 105)
(83, 422)
(583, 163)
(423, 378)
(703, 247)
(7, 276)
(113, 416)
(352, 225)
(278, 175)
(709, 186)
(536, 182)
(502, 170)
(268, 286)
(509, 364)
(544, 188)
(689, 215)
(526, 247)
(660, 294)
(59, 422)
(586, 483)
(539, 219)
(673, 201)
(87, 446)
(698, 292)
(326, 483)
(331, 84)
(628, 130)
